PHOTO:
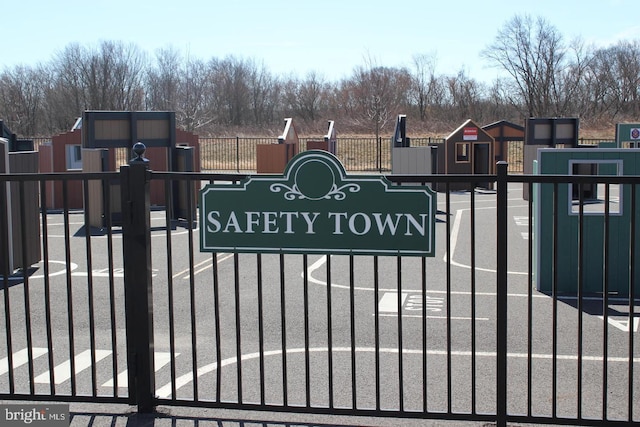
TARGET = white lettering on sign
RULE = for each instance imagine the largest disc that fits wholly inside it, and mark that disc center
(358, 223)
(337, 228)
(388, 223)
(289, 216)
(309, 220)
(365, 223)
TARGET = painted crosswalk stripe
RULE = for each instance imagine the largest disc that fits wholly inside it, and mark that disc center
(62, 371)
(160, 360)
(20, 358)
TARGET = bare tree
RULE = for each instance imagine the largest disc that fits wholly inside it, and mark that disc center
(624, 67)
(533, 54)
(163, 80)
(264, 94)
(379, 93)
(232, 91)
(21, 99)
(194, 99)
(307, 98)
(108, 77)
(465, 97)
(424, 82)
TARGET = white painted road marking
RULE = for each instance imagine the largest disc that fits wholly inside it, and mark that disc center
(412, 302)
(389, 302)
(522, 221)
(62, 372)
(161, 359)
(623, 324)
(455, 230)
(165, 391)
(20, 358)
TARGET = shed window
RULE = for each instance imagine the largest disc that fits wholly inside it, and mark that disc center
(594, 195)
(73, 157)
(462, 152)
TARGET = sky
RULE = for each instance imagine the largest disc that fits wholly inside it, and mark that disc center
(329, 37)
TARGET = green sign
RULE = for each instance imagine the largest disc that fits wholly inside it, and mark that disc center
(314, 207)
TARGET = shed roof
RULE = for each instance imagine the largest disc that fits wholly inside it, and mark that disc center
(505, 130)
(470, 123)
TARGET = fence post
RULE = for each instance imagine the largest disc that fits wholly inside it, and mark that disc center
(136, 242)
(379, 153)
(501, 298)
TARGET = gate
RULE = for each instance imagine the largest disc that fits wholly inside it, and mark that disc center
(460, 336)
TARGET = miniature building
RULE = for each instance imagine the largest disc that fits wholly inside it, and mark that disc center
(467, 150)
(62, 154)
(19, 206)
(106, 131)
(407, 160)
(627, 135)
(329, 141)
(596, 254)
(503, 132)
(546, 133)
(272, 158)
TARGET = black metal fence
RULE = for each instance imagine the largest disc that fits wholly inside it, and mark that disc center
(356, 153)
(464, 335)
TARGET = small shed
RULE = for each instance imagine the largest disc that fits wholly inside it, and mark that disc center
(468, 150)
(586, 241)
(547, 132)
(329, 140)
(406, 160)
(503, 132)
(272, 158)
(19, 211)
(62, 154)
(627, 135)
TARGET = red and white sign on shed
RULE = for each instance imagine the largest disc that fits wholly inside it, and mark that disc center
(470, 134)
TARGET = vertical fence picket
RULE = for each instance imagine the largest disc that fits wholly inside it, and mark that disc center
(501, 295)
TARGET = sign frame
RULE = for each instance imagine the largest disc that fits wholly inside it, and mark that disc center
(314, 207)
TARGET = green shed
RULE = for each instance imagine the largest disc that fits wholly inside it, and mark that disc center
(586, 253)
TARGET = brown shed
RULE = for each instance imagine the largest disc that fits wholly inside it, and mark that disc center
(63, 154)
(467, 150)
(111, 130)
(273, 158)
(503, 132)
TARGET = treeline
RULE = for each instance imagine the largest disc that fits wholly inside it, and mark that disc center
(544, 76)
